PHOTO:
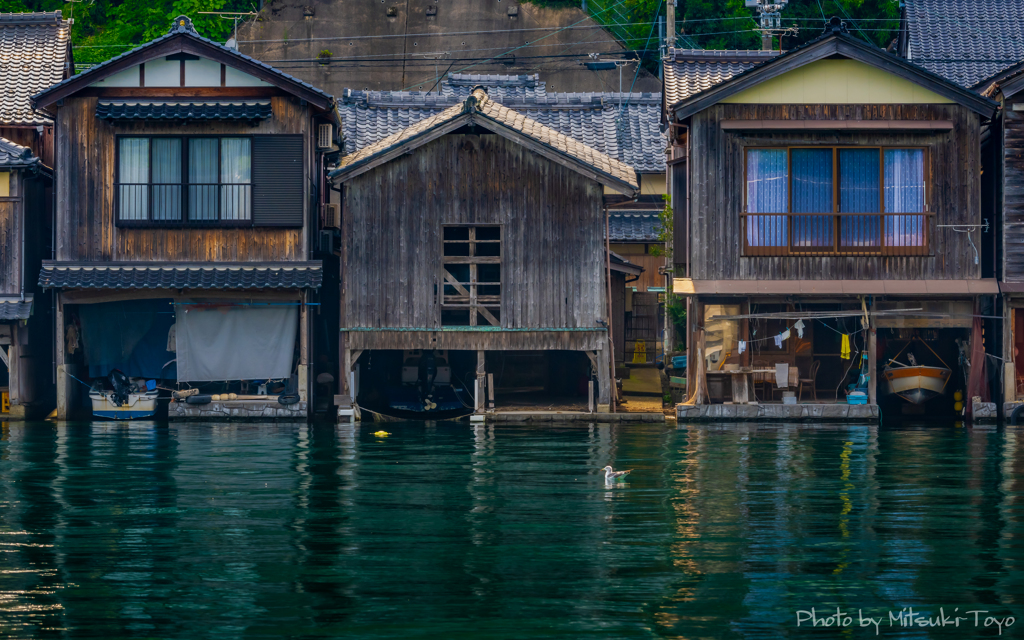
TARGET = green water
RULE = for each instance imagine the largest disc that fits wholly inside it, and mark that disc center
(452, 531)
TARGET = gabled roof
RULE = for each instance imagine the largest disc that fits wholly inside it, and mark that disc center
(15, 156)
(183, 38)
(690, 71)
(835, 41)
(481, 110)
(623, 125)
(35, 52)
(965, 41)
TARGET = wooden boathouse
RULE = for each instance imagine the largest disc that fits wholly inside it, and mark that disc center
(478, 235)
(186, 202)
(832, 225)
(36, 52)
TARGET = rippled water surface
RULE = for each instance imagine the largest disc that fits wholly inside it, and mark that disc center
(452, 531)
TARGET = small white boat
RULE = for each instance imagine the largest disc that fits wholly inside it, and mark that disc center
(916, 384)
(138, 405)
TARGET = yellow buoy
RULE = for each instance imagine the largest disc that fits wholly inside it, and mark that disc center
(381, 434)
(958, 396)
(958, 406)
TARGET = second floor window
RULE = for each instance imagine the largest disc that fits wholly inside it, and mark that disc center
(189, 179)
(824, 200)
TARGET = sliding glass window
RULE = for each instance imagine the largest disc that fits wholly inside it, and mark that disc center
(835, 200)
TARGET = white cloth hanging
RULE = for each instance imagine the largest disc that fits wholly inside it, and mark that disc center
(742, 346)
(799, 326)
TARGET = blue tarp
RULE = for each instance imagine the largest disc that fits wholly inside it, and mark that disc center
(130, 335)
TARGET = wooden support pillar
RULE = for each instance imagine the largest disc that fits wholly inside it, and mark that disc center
(481, 382)
(1009, 361)
(872, 359)
(63, 394)
(604, 380)
(304, 350)
(14, 365)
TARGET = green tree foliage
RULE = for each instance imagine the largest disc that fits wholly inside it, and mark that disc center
(105, 28)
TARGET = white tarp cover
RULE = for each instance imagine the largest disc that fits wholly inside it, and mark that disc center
(235, 342)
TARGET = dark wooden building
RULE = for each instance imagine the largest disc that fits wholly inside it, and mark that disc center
(35, 50)
(478, 234)
(1006, 183)
(187, 201)
(837, 186)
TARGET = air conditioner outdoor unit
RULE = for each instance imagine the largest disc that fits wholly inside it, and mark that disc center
(325, 136)
(332, 215)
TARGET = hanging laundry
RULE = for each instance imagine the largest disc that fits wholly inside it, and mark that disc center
(844, 351)
(778, 341)
(742, 346)
(799, 326)
(785, 334)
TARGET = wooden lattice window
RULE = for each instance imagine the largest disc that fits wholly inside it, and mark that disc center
(472, 276)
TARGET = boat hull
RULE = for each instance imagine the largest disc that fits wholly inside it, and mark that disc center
(916, 385)
(139, 405)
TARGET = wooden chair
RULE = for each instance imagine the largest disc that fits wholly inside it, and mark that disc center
(793, 379)
(762, 381)
(812, 381)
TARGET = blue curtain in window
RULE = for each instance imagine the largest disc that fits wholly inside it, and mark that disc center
(904, 193)
(767, 192)
(812, 193)
(859, 192)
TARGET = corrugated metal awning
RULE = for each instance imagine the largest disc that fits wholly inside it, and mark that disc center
(190, 275)
(183, 110)
(687, 286)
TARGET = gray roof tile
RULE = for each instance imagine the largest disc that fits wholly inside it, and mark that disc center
(480, 103)
(690, 71)
(623, 126)
(13, 156)
(189, 110)
(14, 308)
(187, 275)
(965, 41)
(633, 226)
(33, 56)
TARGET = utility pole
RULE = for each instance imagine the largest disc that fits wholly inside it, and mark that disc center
(770, 21)
(670, 26)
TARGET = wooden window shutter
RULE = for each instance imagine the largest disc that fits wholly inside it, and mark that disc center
(277, 181)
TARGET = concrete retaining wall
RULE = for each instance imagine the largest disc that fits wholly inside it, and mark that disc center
(782, 412)
(237, 410)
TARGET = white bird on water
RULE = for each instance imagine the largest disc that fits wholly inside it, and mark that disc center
(610, 475)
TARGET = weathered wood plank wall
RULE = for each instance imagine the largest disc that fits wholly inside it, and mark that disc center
(10, 247)
(552, 235)
(718, 185)
(85, 194)
(1013, 189)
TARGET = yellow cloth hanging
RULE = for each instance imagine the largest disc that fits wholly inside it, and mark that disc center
(844, 352)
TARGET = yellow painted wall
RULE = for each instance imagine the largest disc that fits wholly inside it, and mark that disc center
(651, 184)
(837, 82)
(5, 184)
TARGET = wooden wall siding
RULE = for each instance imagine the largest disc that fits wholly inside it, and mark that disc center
(718, 188)
(1013, 191)
(478, 340)
(10, 247)
(552, 234)
(85, 194)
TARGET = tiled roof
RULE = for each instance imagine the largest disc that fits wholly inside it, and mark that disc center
(479, 105)
(188, 275)
(14, 308)
(33, 56)
(633, 226)
(163, 110)
(965, 41)
(624, 126)
(14, 155)
(690, 71)
(499, 87)
(183, 26)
